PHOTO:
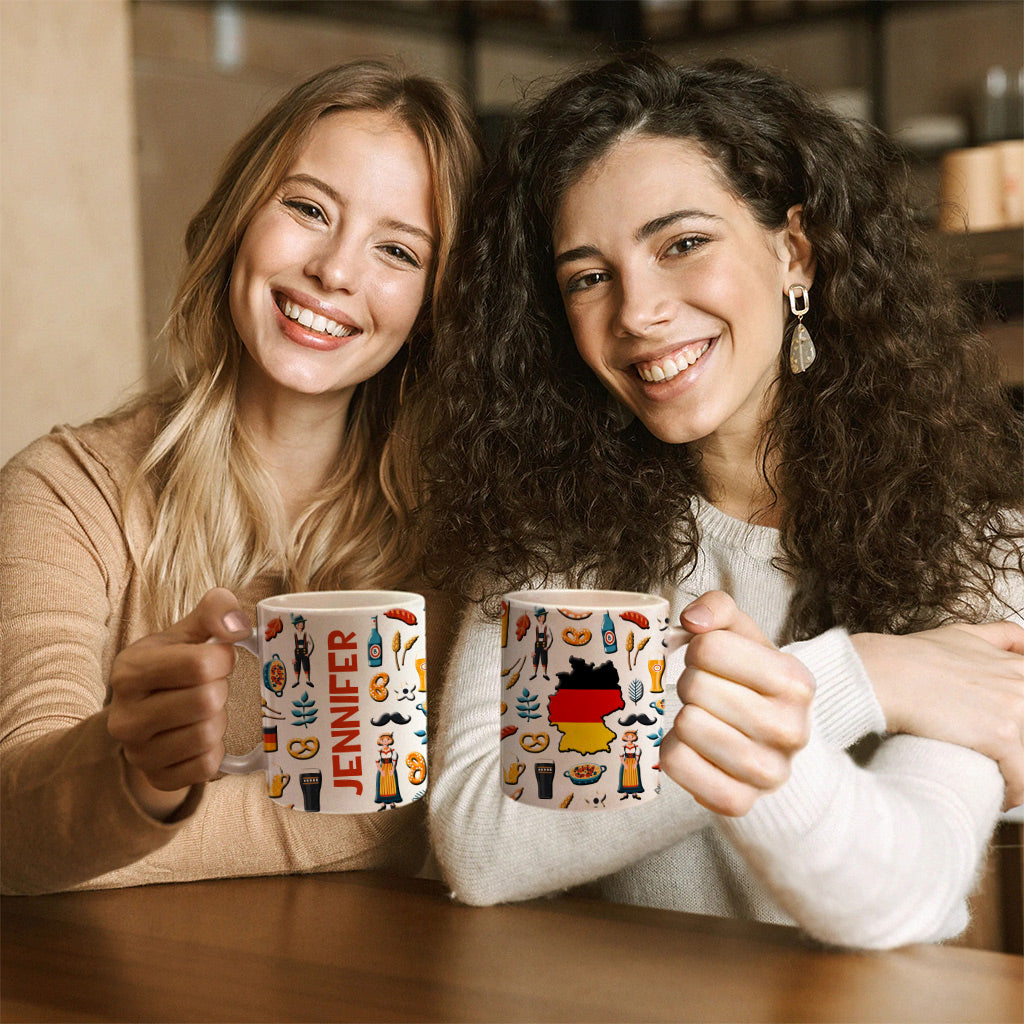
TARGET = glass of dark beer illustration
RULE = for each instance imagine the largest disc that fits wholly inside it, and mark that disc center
(310, 784)
(545, 772)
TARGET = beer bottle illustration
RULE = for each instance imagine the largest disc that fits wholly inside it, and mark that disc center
(374, 647)
(608, 632)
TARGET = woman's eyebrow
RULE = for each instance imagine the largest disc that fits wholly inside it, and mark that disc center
(338, 200)
(322, 186)
(409, 229)
(652, 227)
(581, 252)
(642, 234)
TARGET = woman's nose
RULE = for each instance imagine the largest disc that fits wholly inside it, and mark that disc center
(337, 265)
(644, 305)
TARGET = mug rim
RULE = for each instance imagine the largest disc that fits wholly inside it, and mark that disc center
(589, 599)
(339, 600)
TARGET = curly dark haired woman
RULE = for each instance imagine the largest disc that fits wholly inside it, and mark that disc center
(623, 404)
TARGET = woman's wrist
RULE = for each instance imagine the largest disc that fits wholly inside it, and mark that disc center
(874, 651)
(160, 804)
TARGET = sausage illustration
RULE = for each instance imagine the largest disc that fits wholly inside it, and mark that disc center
(403, 614)
(635, 617)
(509, 730)
(570, 613)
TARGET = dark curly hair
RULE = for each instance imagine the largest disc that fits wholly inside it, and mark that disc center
(899, 458)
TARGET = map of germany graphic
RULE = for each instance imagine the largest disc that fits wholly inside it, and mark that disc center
(585, 695)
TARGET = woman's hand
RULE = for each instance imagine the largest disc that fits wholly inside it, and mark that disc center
(167, 707)
(746, 710)
(960, 683)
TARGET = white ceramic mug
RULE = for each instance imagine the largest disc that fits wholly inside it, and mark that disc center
(581, 696)
(344, 699)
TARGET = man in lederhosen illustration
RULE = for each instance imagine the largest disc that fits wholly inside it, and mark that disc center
(303, 649)
(541, 642)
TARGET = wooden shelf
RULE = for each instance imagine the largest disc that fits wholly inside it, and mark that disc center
(987, 257)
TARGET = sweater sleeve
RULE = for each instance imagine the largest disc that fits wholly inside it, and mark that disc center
(69, 818)
(492, 849)
(68, 814)
(875, 856)
(845, 707)
(879, 856)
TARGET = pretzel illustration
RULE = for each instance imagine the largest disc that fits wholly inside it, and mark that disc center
(418, 766)
(534, 742)
(303, 750)
(576, 637)
(379, 686)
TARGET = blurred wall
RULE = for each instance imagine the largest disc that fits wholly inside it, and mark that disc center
(72, 343)
(117, 114)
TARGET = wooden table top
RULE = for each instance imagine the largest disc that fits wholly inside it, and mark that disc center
(392, 949)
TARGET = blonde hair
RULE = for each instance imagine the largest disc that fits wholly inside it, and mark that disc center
(218, 517)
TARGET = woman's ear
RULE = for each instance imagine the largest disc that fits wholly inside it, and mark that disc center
(801, 255)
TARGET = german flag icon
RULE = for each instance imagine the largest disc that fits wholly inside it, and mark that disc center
(582, 699)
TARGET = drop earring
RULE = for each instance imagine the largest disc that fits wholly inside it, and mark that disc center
(801, 350)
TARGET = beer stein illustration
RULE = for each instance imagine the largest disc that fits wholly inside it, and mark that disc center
(513, 772)
(277, 782)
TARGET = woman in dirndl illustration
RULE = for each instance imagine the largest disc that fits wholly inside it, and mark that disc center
(629, 773)
(388, 794)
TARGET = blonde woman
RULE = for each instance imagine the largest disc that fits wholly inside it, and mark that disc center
(272, 460)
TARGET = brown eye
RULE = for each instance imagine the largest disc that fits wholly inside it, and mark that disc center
(586, 281)
(683, 246)
(308, 210)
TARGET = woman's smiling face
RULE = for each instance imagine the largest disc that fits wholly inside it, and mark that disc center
(332, 271)
(673, 290)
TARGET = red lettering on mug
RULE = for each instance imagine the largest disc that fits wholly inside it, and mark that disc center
(339, 641)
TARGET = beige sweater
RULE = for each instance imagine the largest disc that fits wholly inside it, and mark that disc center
(70, 600)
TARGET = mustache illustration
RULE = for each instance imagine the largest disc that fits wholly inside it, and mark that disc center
(397, 717)
(642, 719)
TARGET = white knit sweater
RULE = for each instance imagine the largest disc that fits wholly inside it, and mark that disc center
(875, 856)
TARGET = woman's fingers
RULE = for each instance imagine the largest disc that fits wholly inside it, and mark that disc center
(1006, 636)
(218, 616)
(180, 775)
(706, 781)
(959, 683)
(153, 665)
(777, 721)
(762, 766)
(746, 709)
(169, 691)
(165, 710)
(717, 610)
(762, 668)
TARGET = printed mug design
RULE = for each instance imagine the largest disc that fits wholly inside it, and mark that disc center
(314, 717)
(591, 740)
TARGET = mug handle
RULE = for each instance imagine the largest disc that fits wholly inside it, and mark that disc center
(255, 760)
(674, 651)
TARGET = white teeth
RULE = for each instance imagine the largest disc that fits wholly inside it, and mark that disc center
(669, 367)
(314, 321)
